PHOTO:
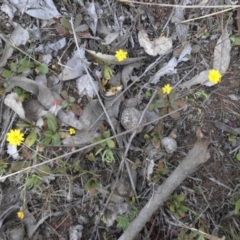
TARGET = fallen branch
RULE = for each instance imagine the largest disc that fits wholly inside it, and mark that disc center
(197, 155)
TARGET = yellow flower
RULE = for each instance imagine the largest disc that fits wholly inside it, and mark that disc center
(20, 215)
(167, 89)
(72, 131)
(121, 55)
(15, 137)
(214, 76)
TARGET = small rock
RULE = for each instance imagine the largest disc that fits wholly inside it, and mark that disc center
(130, 118)
(169, 144)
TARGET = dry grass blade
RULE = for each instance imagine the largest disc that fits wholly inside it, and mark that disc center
(180, 6)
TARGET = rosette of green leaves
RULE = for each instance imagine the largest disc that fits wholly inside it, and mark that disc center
(167, 104)
(52, 136)
(106, 147)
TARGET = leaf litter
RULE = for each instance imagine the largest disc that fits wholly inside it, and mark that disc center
(74, 63)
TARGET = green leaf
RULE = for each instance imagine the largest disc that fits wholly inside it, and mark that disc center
(42, 68)
(17, 166)
(65, 23)
(44, 170)
(51, 125)
(97, 139)
(107, 72)
(151, 107)
(201, 237)
(51, 122)
(27, 63)
(111, 143)
(172, 208)
(48, 133)
(31, 138)
(104, 144)
(22, 69)
(12, 66)
(45, 141)
(160, 103)
(78, 20)
(7, 74)
(98, 151)
(56, 139)
(24, 125)
(106, 134)
(71, 99)
(238, 156)
(64, 104)
(64, 94)
(235, 40)
(148, 94)
(180, 197)
(91, 186)
(19, 91)
(183, 208)
(237, 207)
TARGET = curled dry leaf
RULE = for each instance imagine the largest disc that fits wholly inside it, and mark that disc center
(184, 56)
(127, 72)
(12, 101)
(168, 69)
(160, 45)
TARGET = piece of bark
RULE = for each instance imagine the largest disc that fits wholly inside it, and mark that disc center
(197, 155)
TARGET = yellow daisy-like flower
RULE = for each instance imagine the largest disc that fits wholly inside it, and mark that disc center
(214, 76)
(121, 55)
(20, 215)
(167, 89)
(72, 131)
(15, 137)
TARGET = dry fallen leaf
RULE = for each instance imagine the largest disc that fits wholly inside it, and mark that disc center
(19, 36)
(74, 67)
(221, 56)
(12, 101)
(160, 45)
(201, 78)
(127, 72)
(37, 9)
(178, 16)
(85, 87)
(168, 69)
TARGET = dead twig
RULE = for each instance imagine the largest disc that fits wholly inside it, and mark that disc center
(198, 155)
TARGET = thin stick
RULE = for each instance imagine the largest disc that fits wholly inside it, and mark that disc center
(179, 6)
(86, 147)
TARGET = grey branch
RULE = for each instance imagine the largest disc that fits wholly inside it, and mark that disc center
(197, 155)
